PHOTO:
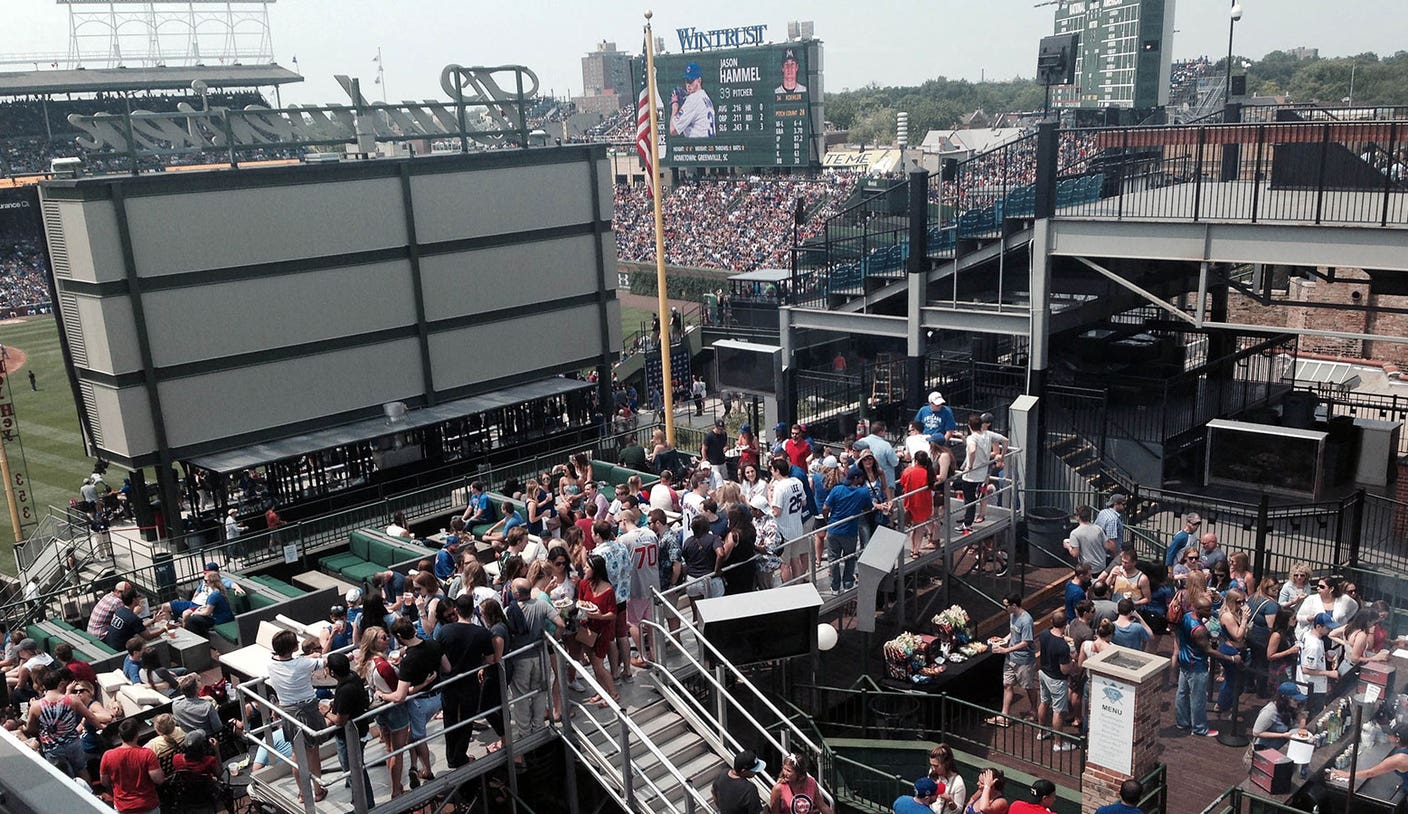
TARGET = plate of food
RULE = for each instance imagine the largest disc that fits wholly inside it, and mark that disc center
(586, 607)
(957, 658)
(563, 603)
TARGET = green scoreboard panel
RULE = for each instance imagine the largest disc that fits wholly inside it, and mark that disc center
(744, 108)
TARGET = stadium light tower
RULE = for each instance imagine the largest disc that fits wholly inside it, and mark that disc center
(1233, 17)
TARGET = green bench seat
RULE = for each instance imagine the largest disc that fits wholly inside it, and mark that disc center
(276, 584)
(97, 643)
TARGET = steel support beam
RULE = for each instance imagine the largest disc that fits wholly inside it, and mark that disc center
(1147, 295)
(1273, 329)
(977, 320)
(841, 322)
(1281, 244)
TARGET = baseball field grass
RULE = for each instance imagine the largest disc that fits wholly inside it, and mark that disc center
(49, 448)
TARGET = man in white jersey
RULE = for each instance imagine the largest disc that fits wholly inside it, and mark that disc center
(644, 547)
(692, 112)
(788, 500)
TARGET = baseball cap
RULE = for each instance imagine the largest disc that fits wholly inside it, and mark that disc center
(759, 502)
(936, 397)
(718, 422)
(746, 428)
(925, 787)
(781, 427)
(692, 72)
(210, 566)
(789, 54)
(854, 473)
(830, 462)
(860, 443)
(746, 761)
(1041, 787)
(28, 644)
(232, 512)
(1326, 619)
(353, 596)
(986, 418)
(1291, 690)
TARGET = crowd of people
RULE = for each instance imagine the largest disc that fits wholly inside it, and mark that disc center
(734, 224)
(1285, 641)
(23, 273)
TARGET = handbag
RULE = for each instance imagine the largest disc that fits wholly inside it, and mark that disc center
(586, 636)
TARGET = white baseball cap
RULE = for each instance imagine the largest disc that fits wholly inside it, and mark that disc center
(760, 503)
(936, 397)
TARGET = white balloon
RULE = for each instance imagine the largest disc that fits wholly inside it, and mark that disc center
(825, 637)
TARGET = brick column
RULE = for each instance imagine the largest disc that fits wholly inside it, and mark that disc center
(1124, 722)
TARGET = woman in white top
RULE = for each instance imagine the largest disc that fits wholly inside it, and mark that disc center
(751, 483)
(1326, 598)
(943, 770)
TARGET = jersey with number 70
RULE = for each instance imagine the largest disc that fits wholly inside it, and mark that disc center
(645, 561)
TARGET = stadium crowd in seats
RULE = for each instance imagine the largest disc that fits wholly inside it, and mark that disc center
(22, 286)
(738, 225)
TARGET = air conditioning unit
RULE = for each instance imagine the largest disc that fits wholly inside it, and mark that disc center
(66, 167)
(395, 411)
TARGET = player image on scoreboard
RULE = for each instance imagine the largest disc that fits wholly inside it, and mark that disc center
(745, 107)
(691, 109)
(789, 74)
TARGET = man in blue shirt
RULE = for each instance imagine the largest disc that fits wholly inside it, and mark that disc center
(1180, 541)
(844, 505)
(446, 560)
(1111, 522)
(1131, 791)
(1019, 672)
(937, 418)
(926, 791)
(1075, 588)
(480, 509)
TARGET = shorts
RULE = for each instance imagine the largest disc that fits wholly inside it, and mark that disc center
(393, 718)
(307, 713)
(637, 610)
(1055, 692)
(1019, 675)
(421, 711)
(621, 627)
(71, 755)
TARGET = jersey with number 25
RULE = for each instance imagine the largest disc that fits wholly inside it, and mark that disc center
(790, 499)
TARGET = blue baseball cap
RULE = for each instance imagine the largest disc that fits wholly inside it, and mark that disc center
(925, 787)
(692, 72)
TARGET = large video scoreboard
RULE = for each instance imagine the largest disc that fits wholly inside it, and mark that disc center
(749, 107)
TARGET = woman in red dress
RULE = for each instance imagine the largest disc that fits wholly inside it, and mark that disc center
(917, 484)
(596, 589)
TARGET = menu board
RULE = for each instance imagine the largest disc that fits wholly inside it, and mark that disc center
(748, 107)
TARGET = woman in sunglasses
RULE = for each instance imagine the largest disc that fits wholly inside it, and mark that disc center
(1327, 597)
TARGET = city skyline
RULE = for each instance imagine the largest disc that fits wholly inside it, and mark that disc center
(887, 44)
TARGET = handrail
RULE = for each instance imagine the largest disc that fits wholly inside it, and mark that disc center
(658, 600)
(694, 800)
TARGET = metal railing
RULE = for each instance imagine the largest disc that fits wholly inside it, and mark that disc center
(789, 738)
(1236, 800)
(868, 713)
(1320, 172)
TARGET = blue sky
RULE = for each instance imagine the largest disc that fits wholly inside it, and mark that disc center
(884, 41)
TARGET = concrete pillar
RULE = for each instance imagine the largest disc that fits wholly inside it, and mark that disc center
(1124, 693)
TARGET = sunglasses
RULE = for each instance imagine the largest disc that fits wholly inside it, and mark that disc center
(1322, 587)
(559, 562)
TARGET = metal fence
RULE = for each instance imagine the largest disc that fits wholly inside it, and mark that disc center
(868, 713)
(1321, 172)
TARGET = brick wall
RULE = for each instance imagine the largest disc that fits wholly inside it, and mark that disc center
(1100, 786)
(1351, 287)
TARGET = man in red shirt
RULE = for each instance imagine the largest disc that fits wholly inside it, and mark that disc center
(1043, 793)
(798, 449)
(132, 772)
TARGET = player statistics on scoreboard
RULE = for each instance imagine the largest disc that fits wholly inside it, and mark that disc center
(747, 107)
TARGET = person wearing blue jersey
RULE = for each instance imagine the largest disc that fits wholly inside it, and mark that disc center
(937, 419)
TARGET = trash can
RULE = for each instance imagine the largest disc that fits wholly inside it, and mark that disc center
(1046, 528)
(164, 568)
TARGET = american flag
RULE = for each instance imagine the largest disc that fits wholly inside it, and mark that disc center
(645, 130)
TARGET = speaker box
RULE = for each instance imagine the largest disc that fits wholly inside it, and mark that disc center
(1056, 60)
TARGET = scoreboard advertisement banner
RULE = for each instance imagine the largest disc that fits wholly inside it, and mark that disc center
(748, 107)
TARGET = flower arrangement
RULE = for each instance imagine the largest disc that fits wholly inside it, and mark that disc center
(952, 620)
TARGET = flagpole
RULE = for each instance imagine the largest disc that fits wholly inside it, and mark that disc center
(663, 305)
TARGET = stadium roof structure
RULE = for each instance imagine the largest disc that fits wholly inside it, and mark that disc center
(99, 80)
